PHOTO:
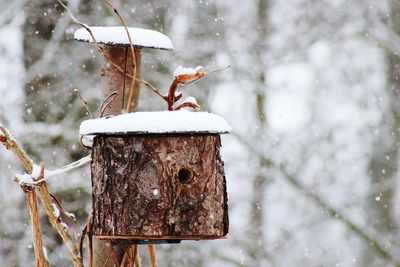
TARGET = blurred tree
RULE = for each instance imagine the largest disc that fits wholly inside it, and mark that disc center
(384, 160)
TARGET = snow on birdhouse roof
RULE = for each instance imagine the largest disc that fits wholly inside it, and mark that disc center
(159, 122)
(118, 36)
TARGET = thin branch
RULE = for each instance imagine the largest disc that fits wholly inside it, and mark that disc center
(87, 230)
(85, 104)
(151, 87)
(58, 225)
(57, 222)
(82, 238)
(217, 70)
(48, 174)
(30, 193)
(128, 259)
(68, 167)
(90, 242)
(41, 260)
(114, 255)
(87, 28)
(108, 257)
(207, 74)
(11, 144)
(151, 250)
(62, 229)
(134, 67)
(138, 260)
(69, 215)
(107, 102)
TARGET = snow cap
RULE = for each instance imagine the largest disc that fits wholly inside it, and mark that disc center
(187, 71)
(141, 38)
(159, 122)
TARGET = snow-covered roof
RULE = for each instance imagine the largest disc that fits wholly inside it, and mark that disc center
(159, 122)
(118, 36)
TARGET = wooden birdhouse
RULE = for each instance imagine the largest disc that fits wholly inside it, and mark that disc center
(158, 176)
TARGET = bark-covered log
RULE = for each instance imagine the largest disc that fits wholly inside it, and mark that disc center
(159, 186)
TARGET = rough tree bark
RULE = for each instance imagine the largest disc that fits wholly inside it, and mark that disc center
(159, 186)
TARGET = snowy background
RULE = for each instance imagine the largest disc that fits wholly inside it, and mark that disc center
(312, 96)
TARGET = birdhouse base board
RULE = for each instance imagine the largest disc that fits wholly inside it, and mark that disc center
(141, 240)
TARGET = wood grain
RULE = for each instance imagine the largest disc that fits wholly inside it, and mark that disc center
(159, 185)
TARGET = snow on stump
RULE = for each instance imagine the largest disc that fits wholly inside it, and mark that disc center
(158, 177)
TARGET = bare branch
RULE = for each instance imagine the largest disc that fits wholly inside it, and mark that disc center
(87, 230)
(138, 260)
(151, 250)
(58, 224)
(134, 67)
(48, 174)
(41, 259)
(49, 208)
(11, 144)
(107, 102)
(85, 104)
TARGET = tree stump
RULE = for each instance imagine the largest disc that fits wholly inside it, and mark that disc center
(158, 187)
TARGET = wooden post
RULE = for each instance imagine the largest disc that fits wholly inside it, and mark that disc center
(114, 81)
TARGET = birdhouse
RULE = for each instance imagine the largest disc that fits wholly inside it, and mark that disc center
(158, 177)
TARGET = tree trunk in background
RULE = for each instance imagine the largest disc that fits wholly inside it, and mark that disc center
(383, 164)
(257, 234)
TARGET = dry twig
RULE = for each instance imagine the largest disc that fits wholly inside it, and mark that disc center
(11, 144)
(151, 250)
(87, 230)
(134, 67)
(138, 260)
(57, 222)
(107, 102)
(85, 104)
(41, 260)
